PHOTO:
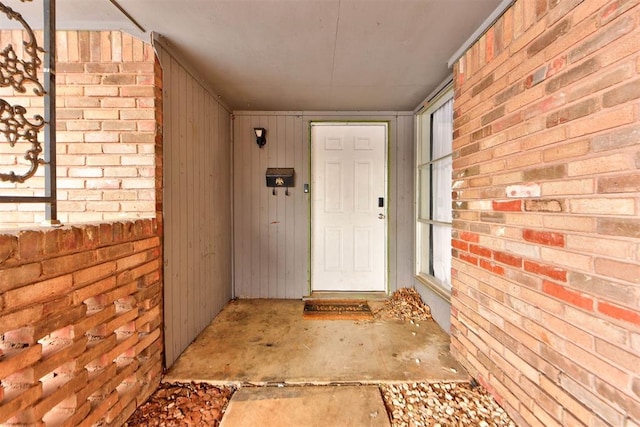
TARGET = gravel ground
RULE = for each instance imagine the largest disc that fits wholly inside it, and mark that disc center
(442, 404)
(408, 405)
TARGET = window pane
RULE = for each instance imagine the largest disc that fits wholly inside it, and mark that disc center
(442, 130)
(441, 189)
(434, 181)
(424, 248)
(442, 253)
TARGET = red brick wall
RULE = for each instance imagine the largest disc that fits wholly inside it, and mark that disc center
(545, 305)
(80, 323)
(106, 130)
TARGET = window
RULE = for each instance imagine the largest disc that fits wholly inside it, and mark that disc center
(433, 216)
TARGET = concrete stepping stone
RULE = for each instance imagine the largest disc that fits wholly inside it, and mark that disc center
(307, 406)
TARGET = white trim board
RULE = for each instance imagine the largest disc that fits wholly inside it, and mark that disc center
(324, 113)
(440, 88)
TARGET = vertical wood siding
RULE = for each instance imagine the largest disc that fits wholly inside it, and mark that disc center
(402, 199)
(271, 233)
(270, 237)
(197, 200)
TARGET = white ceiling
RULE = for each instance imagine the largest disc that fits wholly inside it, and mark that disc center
(383, 55)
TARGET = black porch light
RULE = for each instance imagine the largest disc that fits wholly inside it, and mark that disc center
(261, 136)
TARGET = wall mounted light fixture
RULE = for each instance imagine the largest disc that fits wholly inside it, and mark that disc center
(261, 136)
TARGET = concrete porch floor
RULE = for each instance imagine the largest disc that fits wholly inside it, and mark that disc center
(267, 342)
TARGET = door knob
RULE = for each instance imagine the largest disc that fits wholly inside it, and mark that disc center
(381, 216)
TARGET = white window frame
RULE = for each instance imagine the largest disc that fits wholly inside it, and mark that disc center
(425, 223)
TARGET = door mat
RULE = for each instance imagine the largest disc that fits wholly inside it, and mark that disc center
(337, 310)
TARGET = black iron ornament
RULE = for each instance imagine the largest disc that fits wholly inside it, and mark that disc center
(19, 74)
(16, 72)
(15, 128)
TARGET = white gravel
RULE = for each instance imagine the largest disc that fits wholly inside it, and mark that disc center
(442, 405)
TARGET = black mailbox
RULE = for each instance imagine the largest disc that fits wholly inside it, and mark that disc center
(280, 177)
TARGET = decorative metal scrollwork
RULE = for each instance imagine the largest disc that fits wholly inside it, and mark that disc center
(18, 74)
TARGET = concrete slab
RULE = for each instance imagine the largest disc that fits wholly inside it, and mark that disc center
(265, 342)
(306, 406)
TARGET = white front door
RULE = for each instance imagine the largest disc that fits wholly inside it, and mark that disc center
(348, 206)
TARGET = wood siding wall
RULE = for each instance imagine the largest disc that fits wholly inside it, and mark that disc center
(271, 233)
(197, 201)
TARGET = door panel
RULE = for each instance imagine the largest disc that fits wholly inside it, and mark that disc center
(348, 228)
(362, 186)
(333, 193)
(363, 246)
(333, 244)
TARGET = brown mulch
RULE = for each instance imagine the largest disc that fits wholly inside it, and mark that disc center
(177, 404)
(404, 304)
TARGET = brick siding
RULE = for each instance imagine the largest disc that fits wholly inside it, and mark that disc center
(106, 130)
(546, 284)
(80, 323)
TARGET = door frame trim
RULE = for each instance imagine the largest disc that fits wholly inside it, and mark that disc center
(354, 122)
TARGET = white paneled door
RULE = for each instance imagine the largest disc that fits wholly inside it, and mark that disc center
(348, 206)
